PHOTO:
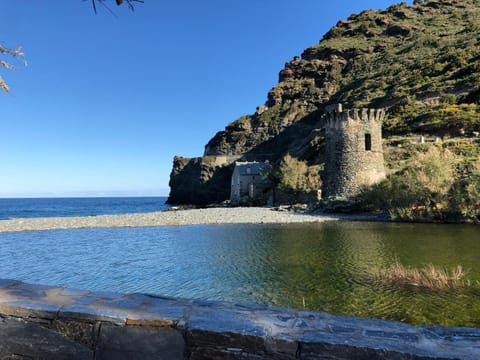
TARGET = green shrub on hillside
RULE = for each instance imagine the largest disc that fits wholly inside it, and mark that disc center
(464, 196)
(296, 178)
(418, 192)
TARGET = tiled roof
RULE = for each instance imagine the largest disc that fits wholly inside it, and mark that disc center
(252, 168)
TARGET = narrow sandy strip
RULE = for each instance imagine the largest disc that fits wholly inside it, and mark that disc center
(252, 215)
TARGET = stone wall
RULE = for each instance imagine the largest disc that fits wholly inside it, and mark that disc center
(352, 160)
(221, 160)
(45, 322)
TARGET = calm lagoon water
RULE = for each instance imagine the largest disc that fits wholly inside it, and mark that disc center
(326, 267)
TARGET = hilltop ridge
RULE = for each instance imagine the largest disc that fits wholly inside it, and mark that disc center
(421, 62)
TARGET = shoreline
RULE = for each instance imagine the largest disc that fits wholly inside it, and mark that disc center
(251, 215)
(238, 215)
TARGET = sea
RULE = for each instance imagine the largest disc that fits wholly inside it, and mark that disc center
(88, 206)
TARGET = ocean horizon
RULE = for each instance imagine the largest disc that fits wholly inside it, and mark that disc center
(35, 207)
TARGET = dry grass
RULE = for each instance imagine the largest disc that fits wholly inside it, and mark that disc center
(430, 276)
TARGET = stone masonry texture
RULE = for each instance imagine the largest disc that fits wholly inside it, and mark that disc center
(46, 322)
(352, 160)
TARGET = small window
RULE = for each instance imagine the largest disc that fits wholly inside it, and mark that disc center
(368, 142)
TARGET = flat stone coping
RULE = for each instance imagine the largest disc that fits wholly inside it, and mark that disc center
(226, 329)
(251, 215)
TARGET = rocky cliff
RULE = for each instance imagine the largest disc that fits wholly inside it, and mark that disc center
(421, 62)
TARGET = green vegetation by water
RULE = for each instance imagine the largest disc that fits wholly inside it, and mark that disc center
(334, 267)
(436, 184)
(428, 277)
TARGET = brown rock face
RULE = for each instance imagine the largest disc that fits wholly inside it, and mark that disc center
(198, 181)
(389, 59)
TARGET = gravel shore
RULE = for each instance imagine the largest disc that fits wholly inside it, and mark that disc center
(251, 215)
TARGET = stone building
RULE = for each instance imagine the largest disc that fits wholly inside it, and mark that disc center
(353, 153)
(249, 182)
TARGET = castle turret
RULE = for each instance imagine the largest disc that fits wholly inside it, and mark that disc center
(354, 153)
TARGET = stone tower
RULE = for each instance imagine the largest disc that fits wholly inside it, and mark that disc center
(353, 153)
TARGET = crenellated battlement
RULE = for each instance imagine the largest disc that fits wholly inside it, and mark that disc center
(337, 118)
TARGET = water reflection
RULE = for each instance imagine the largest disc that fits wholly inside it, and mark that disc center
(325, 267)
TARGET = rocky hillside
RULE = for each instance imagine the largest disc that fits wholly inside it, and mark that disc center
(421, 62)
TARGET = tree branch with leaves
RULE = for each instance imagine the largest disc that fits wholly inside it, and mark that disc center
(6, 52)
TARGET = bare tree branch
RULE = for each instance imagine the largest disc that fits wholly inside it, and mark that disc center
(130, 4)
(15, 53)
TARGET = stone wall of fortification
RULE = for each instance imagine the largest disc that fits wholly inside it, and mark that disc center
(354, 152)
(220, 160)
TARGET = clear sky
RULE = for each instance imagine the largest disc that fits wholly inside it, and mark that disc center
(107, 101)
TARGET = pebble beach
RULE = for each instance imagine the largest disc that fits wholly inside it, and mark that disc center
(250, 215)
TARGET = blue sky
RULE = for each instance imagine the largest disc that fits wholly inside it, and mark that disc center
(107, 101)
